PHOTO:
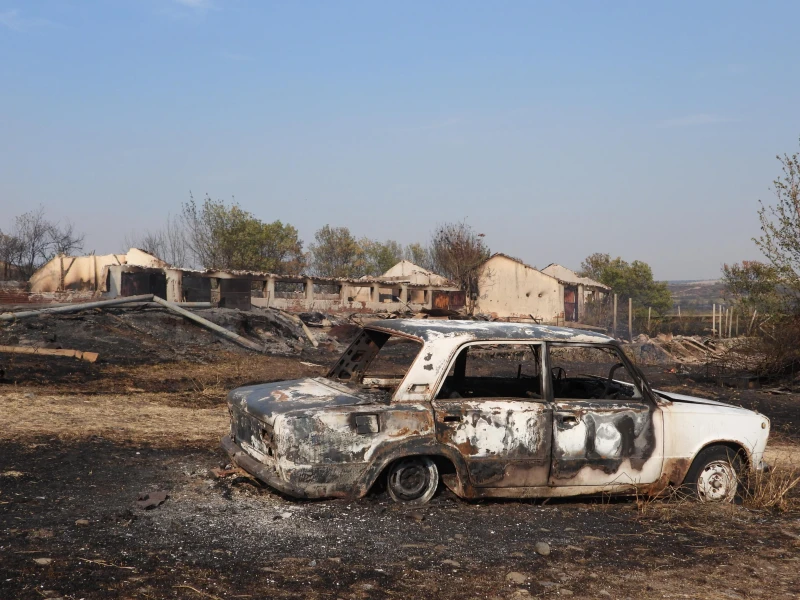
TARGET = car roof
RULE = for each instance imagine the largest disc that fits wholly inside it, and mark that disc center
(430, 330)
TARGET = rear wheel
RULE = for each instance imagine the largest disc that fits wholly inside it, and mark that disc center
(412, 480)
(715, 475)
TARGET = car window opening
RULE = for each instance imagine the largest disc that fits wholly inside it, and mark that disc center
(590, 373)
(495, 371)
(376, 360)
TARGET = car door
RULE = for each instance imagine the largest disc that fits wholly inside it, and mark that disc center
(491, 410)
(606, 428)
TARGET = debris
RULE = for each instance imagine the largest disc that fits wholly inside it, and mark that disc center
(43, 561)
(220, 473)
(82, 522)
(542, 548)
(149, 501)
(87, 356)
(302, 325)
(208, 324)
(451, 563)
(75, 307)
(416, 516)
(12, 473)
(516, 577)
(310, 364)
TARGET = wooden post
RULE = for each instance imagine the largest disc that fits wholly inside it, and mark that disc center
(630, 319)
(737, 325)
(730, 322)
(614, 329)
(753, 320)
(649, 308)
(679, 311)
(713, 318)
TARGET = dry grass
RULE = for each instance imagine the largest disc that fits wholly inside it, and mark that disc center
(776, 489)
(140, 418)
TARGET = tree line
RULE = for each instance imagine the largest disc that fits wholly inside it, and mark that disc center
(220, 235)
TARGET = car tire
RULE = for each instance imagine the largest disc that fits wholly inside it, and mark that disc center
(715, 475)
(412, 480)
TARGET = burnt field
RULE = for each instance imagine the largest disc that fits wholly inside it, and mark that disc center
(81, 443)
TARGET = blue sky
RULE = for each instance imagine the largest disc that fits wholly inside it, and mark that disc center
(557, 129)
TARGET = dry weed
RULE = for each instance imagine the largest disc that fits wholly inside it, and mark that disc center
(773, 489)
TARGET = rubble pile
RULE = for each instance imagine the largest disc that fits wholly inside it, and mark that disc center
(144, 334)
(674, 349)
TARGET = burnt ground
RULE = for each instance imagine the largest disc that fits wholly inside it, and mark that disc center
(80, 442)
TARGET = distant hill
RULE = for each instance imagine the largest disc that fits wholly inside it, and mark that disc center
(696, 296)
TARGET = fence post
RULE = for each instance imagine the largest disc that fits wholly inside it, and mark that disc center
(713, 319)
(614, 330)
(649, 308)
(630, 319)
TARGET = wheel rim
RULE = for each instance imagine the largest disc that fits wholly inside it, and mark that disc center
(717, 482)
(409, 479)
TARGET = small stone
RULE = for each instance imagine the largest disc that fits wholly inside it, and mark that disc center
(313, 563)
(286, 515)
(335, 559)
(82, 522)
(416, 516)
(517, 554)
(516, 577)
(605, 593)
(367, 586)
(43, 561)
(565, 592)
(451, 563)
(439, 548)
(542, 548)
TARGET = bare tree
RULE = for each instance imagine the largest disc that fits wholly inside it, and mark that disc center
(167, 243)
(9, 251)
(458, 253)
(34, 240)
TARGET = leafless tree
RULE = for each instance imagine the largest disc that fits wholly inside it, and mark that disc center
(458, 253)
(167, 243)
(34, 240)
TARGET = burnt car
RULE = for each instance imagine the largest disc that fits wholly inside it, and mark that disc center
(489, 410)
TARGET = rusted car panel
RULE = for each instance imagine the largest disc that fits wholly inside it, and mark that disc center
(334, 436)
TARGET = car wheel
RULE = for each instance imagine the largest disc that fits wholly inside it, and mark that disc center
(714, 475)
(412, 480)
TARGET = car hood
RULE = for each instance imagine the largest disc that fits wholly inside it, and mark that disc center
(266, 400)
(683, 399)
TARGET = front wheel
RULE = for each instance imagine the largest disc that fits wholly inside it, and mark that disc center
(412, 480)
(714, 475)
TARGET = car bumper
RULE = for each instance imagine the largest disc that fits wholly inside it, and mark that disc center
(260, 471)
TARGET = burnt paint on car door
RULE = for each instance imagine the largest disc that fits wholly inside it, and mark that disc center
(505, 442)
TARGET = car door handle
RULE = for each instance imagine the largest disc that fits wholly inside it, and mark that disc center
(451, 419)
(569, 419)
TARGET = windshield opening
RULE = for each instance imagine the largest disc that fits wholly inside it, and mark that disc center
(376, 359)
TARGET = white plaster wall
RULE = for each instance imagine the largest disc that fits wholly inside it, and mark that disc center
(87, 272)
(510, 289)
